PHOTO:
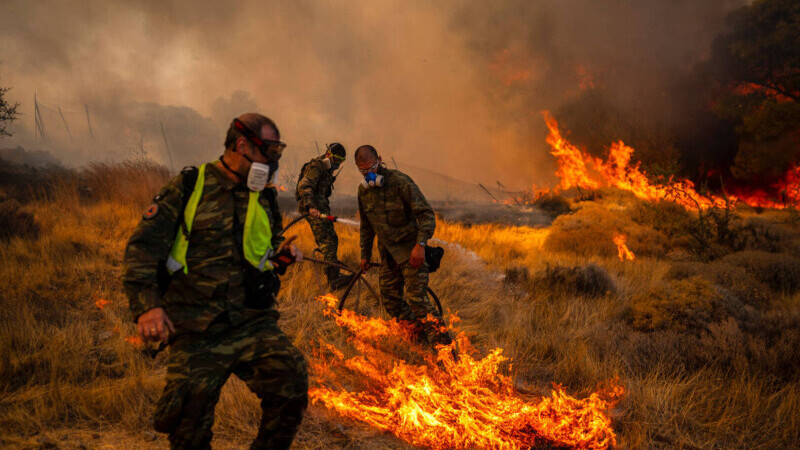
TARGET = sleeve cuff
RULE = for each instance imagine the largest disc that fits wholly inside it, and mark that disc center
(145, 301)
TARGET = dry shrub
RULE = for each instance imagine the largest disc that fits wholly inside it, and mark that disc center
(16, 222)
(553, 204)
(518, 275)
(589, 232)
(738, 282)
(757, 233)
(132, 182)
(667, 217)
(590, 280)
(760, 344)
(781, 272)
(684, 305)
(735, 280)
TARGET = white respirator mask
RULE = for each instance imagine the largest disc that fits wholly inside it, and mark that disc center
(258, 176)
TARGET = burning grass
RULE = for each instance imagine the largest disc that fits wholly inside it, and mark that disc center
(446, 402)
(704, 361)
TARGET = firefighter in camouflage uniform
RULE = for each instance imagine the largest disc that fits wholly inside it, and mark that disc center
(314, 188)
(392, 207)
(201, 274)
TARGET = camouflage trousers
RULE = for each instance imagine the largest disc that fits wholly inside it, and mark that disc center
(394, 279)
(325, 235)
(199, 365)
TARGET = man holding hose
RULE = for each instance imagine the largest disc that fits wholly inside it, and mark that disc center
(393, 208)
(314, 188)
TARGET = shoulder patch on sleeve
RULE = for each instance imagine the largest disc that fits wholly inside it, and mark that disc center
(150, 212)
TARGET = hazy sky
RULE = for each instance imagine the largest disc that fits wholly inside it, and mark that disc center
(457, 86)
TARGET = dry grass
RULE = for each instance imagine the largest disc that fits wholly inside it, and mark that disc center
(705, 365)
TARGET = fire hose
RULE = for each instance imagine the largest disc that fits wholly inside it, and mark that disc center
(360, 275)
(357, 274)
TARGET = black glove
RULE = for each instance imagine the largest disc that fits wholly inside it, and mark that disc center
(282, 260)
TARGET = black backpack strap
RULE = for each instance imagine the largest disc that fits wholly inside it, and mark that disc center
(189, 180)
(300, 177)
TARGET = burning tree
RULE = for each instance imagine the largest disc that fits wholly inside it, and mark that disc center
(755, 66)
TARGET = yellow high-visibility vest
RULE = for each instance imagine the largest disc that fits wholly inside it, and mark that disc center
(257, 241)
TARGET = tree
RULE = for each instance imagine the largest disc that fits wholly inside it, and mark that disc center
(755, 68)
(8, 112)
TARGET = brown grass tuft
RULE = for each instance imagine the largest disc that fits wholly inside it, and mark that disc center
(15, 221)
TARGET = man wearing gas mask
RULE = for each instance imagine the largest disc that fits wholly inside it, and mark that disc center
(314, 188)
(201, 273)
(393, 208)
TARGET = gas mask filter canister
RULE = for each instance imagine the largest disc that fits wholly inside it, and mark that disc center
(372, 179)
(258, 176)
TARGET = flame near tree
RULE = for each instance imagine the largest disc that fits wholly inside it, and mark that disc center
(579, 169)
(436, 401)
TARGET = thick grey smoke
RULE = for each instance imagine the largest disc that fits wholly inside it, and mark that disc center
(456, 87)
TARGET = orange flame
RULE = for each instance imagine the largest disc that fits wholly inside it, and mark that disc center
(576, 168)
(622, 249)
(135, 341)
(102, 303)
(443, 403)
(573, 165)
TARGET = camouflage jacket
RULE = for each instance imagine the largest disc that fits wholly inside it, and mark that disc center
(397, 213)
(314, 187)
(214, 283)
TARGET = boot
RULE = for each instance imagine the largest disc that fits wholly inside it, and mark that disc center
(336, 279)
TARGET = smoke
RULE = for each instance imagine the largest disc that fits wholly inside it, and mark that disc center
(615, 69)
(456, 87)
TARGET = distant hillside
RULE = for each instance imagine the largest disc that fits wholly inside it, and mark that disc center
(32, 158)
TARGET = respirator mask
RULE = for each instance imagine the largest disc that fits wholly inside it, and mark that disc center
(333, 161)
(261, 174)
(372, 178)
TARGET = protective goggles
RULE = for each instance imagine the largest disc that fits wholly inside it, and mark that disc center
(265, 146)
(372, 168)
